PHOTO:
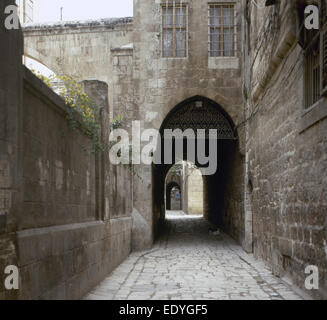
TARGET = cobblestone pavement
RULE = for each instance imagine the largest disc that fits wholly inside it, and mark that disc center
(188, 263)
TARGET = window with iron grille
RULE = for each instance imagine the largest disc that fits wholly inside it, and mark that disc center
(174, 29)
(222, 30)
(314, 44)
(323, 11)
(324, 61)
(312, 71)
(323, 46)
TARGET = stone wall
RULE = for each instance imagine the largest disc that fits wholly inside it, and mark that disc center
(100, 50)
(67, 239)
(287, 149)
(59, 176)
(195, 192)
(10, 144)
(79, 48)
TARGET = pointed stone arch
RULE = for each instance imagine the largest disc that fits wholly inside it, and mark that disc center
(200, 113)
(223, 190)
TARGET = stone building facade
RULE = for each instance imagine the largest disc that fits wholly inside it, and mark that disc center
(269, 192)
(286, 146)
(161, 83)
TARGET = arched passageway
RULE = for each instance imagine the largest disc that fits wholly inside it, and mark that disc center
(222, 172)
(184, 189)
(173, 196)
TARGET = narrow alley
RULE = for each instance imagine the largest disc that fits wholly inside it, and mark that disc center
(190, 263)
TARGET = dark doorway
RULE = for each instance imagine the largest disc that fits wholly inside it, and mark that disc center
(173, 196)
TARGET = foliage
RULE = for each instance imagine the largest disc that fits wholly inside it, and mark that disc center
(79, 103)
(177, 169)
(117, 123)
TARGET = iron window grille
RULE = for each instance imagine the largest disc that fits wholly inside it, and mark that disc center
(222, 30)
(323, 46)
(312, 72)
(174, 29)
(314, 44)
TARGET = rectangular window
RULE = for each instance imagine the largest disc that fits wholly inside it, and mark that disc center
(312, 72)
(323, 12)
(222, 30)
(174, 29)
(323, 46)
(323, 55)
(314, 45)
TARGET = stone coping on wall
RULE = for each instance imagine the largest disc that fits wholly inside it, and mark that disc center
(37, 87)
(65, 227)
(67, 261)
(38, 243)
(75, 26)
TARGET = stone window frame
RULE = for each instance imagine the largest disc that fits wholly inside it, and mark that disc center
(175, 5)
(234, 25)
(312, 72)
(311, 114)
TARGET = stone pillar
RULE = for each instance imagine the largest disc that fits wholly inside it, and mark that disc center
(248, 221)
(142, 231)
(10, 144)
(184, 188)
(98, 92)
(195, 192)
(122, 107)
(248, 185)
(244, 143)
(144, 215)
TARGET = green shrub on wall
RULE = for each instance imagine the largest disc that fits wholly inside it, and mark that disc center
(80, 103)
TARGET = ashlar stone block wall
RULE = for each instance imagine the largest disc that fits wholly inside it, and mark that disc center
(287, 149)
(67, 239)
(195, 192)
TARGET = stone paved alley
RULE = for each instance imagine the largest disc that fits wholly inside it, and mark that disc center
(189, 263)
